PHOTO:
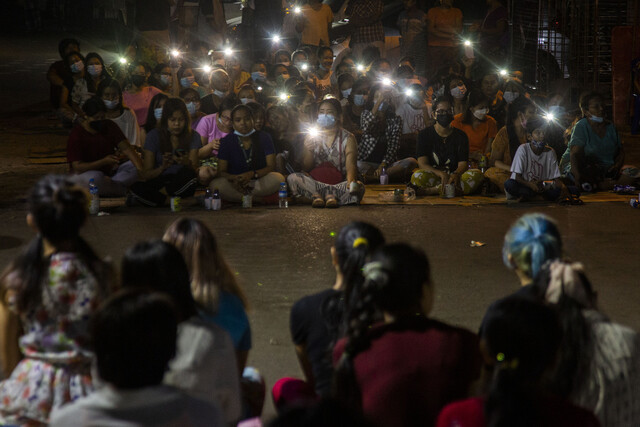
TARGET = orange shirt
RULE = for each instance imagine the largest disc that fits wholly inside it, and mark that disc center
(479, 136)
(444, 20)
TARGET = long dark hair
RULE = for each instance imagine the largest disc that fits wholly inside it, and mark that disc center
(184, 140)
(394, 283)
(519, 105)
(159, 266)
(522, 337)
(354, 243)
(113, 84)
(91, 84)
(59, 209)
(474, 98)
(151, 122)
(575, 349)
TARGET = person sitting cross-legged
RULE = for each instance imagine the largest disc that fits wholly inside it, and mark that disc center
(533, 166)
(134, 340)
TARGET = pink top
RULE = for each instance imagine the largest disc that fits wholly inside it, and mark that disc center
(208, 127)
(139, 102)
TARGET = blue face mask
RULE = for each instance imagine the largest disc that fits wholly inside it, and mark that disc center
(157, 113)
(257, 75)
(346, 93)
(187, 81)
(244, 135)
(76, 67)
(358, 100)
(245, 100)
(165, 80)
(326, 120)
(596, 119)
(192, 108)
(538, 145)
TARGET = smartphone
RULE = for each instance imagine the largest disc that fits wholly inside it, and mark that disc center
(179, 152)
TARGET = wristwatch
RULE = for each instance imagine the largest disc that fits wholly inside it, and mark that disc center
(255, 175)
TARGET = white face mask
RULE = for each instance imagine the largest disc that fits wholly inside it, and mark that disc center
(245, 100)
(481, 114)
(510, 96)
(459, 92)
(346, 93)
(359, 100)
(218, 93)
(596, 119)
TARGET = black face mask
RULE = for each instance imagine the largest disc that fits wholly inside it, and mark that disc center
(138, 80)
(444, 120)
(97, 125)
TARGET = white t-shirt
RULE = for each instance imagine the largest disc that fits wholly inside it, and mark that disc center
(128, 124)
(149, 406)
(533, 167)
(412, 119)
(205, 366)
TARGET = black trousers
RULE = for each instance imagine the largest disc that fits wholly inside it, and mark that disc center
(180, 184)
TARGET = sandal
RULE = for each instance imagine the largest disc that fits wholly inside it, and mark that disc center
(576, 200)
(330, 201)
(317, 201)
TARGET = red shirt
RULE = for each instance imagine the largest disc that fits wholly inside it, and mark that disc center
(553, 413)
(407, 375)
(84, 146)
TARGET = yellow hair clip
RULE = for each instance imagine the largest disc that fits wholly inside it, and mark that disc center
(360, 241)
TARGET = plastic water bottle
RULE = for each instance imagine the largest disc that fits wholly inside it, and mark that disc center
(216, 202)
(208, 199)
(282, 196)
(94, 198)
(384, 178)
(483, 164)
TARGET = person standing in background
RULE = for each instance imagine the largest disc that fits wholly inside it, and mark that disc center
(366, 18)
(444, 25)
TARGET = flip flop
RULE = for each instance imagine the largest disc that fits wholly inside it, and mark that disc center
(317, 201)
(331, 202)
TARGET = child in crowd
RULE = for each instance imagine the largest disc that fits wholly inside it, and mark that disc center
(534, 170)
(54, 286)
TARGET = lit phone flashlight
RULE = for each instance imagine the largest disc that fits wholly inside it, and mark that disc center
(468, 49)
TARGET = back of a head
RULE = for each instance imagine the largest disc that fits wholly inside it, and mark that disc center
(354, 243)
(531, 241)
(93, 106)
(159, 266)
(522, 337)
(400, 272)
(58, 207)
(134, 336)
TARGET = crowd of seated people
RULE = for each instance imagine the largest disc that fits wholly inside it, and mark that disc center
(459, 126)
(166, 341)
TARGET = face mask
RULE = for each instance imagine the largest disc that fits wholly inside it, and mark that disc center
(358, 100)
(596, 119)
(157, 113)
(346, 92)
(97, 125)
(192, 108)
(326, 120)
(481, 114)
(282, 78)
(244, 135)
(94, 70)
(538, 145)
(138, 80)
(218, 93)
(257, 75)
(416, 104)
(440, 91)
(245, 100)
(459, 92)
(444, 120)
(111, 105)
(165, 80)
(76, 67)
(187, 81)
(510, 96)
(323, 68)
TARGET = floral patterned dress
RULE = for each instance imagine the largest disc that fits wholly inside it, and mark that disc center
(56, 365)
